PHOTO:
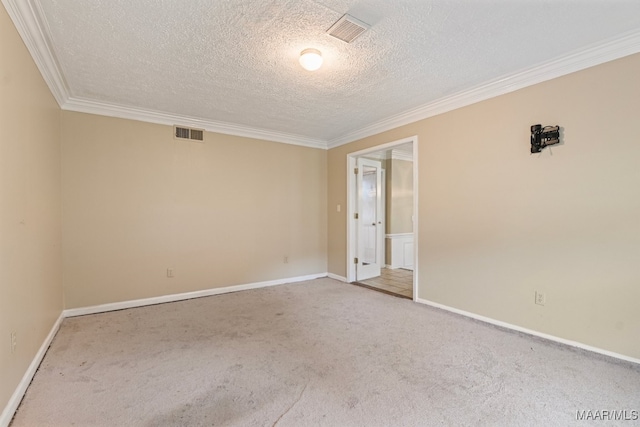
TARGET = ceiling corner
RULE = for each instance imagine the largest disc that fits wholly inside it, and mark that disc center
(596, 54)
(88, 106)
(26, 16)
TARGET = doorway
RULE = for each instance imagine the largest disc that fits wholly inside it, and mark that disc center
(382, 217)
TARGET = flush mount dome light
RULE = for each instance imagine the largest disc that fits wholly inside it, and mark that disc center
(311, 59)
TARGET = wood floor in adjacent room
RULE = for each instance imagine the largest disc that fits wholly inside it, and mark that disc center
(317, 353)
(396, 281)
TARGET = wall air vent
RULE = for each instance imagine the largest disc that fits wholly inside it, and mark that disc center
(347, 28)
(188, 133)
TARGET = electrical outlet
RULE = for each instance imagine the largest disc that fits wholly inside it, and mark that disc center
(13, 342)
(540, 298)
(169, 272)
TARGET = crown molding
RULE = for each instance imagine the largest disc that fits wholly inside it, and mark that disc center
(391, 155)
(407, 157)
(27, 18)
(82, 105)
(609, 50)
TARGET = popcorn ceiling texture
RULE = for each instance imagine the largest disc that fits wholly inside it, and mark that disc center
(237, 61)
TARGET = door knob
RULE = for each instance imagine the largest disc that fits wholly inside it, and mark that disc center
(373, 223)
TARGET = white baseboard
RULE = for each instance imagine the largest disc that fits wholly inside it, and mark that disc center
(396, 267)
(18, 394)
(102, 308)
(336, 277)
(16, 398)
(529, 331)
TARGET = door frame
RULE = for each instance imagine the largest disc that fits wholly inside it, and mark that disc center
(352, 206)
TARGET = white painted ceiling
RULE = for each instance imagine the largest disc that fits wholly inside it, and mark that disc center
(235, 62)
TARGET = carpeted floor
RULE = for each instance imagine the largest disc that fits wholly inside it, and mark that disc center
(310, 354)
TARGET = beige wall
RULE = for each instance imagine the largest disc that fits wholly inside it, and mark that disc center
(30, 260)
(136, 201)
(497, 223)
(399, 178)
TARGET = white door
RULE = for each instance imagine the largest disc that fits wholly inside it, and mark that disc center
(370, 228)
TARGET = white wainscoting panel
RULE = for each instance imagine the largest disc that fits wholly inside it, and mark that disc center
(401, 250)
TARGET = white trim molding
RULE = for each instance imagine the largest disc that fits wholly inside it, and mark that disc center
(27, 16)
(336, 277)
(599, 53)
(351, 204)
(73, 312)
(397, 155)
(21, 389)
(398, 235)
(400, 247)
(82, 105)
(506, 325)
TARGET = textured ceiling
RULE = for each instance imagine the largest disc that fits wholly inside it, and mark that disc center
(236, 61)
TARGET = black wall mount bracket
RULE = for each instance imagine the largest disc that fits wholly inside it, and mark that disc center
(543, 136)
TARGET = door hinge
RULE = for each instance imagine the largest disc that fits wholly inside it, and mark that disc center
(355, 260)
(355, 171)
(355, 216)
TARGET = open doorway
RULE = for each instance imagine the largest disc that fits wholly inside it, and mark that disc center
(382, 212)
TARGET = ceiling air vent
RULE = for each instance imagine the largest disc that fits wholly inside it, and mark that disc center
(188, 133)
(347, 28)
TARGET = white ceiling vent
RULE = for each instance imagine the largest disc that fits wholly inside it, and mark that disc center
(188, 133)
(348, 28)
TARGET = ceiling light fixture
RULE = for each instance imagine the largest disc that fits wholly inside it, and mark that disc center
(311, 59)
